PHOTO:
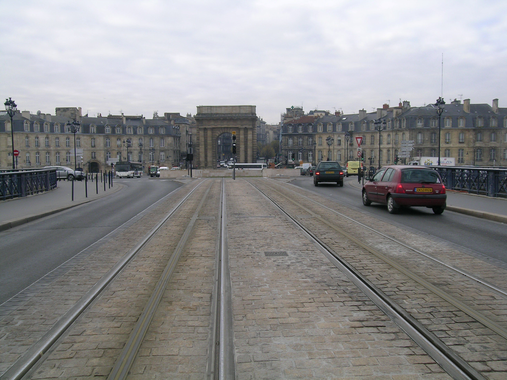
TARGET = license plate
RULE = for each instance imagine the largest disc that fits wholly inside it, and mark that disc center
(329, 173)
(423, 190)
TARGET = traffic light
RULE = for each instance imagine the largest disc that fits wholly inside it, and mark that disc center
(362, 156)
(233, 144)
(396, 160)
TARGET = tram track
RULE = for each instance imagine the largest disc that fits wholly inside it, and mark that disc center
(41, 350)
(428, 340)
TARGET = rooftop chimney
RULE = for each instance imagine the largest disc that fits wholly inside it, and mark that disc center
(495, 105)
(466, 105)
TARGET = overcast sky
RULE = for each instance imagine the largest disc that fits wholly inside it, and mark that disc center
(142, 56)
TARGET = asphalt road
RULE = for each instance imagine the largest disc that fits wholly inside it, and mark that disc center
(479, 237)
(32, 250)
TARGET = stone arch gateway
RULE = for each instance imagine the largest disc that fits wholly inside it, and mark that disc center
(213, 121)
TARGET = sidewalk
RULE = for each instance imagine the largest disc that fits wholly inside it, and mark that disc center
(18, 211)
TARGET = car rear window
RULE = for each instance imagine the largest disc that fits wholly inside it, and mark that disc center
(329, 166)
(419, 176)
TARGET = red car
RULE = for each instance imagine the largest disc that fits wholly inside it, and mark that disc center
(399, 186)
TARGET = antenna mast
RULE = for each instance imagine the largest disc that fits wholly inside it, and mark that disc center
(442, 80)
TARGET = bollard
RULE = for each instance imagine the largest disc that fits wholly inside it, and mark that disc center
(97, 183)
(86, 186)
(72, 190)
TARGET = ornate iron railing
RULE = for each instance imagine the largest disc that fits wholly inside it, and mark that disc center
(485, 181)
(14, 184)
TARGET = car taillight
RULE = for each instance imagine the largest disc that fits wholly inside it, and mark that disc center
(400, 189)
(443, 190)
(341, 173)
(318, 173)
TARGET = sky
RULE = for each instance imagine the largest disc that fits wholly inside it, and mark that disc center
(141, 57)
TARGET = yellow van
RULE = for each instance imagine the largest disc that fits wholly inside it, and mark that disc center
(352, 167)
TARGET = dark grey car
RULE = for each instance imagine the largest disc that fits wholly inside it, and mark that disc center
(328, 171)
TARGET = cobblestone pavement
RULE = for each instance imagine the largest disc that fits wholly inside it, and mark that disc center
(295, 314)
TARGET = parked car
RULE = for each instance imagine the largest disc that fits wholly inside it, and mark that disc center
(328, 171)
(403, 186)
(64, 172)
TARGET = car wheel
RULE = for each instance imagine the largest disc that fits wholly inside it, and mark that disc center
(392, 207)
(438, 210)
(366, 200)
(70, 177)
(340, 183)
(316, 183)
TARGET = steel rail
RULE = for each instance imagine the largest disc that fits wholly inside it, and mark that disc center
(435, 290)
(434, 347)
(30, 358)
(442, 263)
(129, 352)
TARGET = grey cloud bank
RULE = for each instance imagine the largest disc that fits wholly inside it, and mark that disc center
(141, 57)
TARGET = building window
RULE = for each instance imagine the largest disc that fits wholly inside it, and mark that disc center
(492, 136)
(118, 143)
(67, 157)
(461, 153)
(300, 129)
(26, 126)
(94, 156)
(320, 141)
(57, 158)
(92, 142)
(139, 130)
(48, 160)
(420, 138)
(461, 138)
(447, 153)
(448, 122)
(310, 141)
(420, 123)
(290, 141)
(37, 141)
(447, 138)
(57, 128)
(151, 142)
(478, 154)
(36, 127)
(93, 129)
(162, 143)
(480, 122)
(151, 130)
(493, 122)
(78, 142)
(461, 122)
(27, 159)
(118, 130)
(37, 158)
(161, 130)
(67, 142)
(108, 129)
(492, 154)
(300, 141)
(46, 127)
(330, 127)
(479, 137)
(27, 142)
(433, 152)
(433, 137)
(108, 155)
(372, 139)
(129, 130)
(310, 129)
(46, 141)
(57, 142)
(434, 123)
(388, 138)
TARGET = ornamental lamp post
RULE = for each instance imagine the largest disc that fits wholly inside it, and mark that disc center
(329, 141)
(439, 105)
(74, 128)
(380, 125)
(11, 108)
(347, 138)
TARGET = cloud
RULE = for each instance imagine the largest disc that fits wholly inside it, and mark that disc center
(173, 56)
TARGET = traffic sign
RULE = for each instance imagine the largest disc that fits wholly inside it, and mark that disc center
(359, 151)
(359, 140)
(16, 152)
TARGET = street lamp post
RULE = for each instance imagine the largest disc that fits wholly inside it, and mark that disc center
(380, 125)
(347, 138)
(439, 105)
(74, 128)
(11, 108)
(127, 143)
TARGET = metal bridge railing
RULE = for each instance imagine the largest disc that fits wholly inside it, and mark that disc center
(14, 184)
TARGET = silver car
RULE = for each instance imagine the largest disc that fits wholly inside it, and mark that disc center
(64, 172)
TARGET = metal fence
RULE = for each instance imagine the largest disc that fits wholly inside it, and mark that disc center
(485, 181)
(14, 184)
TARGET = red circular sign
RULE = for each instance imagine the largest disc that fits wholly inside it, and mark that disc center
(16, 152)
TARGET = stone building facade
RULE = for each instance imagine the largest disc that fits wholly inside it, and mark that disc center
(45, 140)
(473, 134)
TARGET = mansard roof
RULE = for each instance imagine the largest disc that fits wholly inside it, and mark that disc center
(303, 120)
